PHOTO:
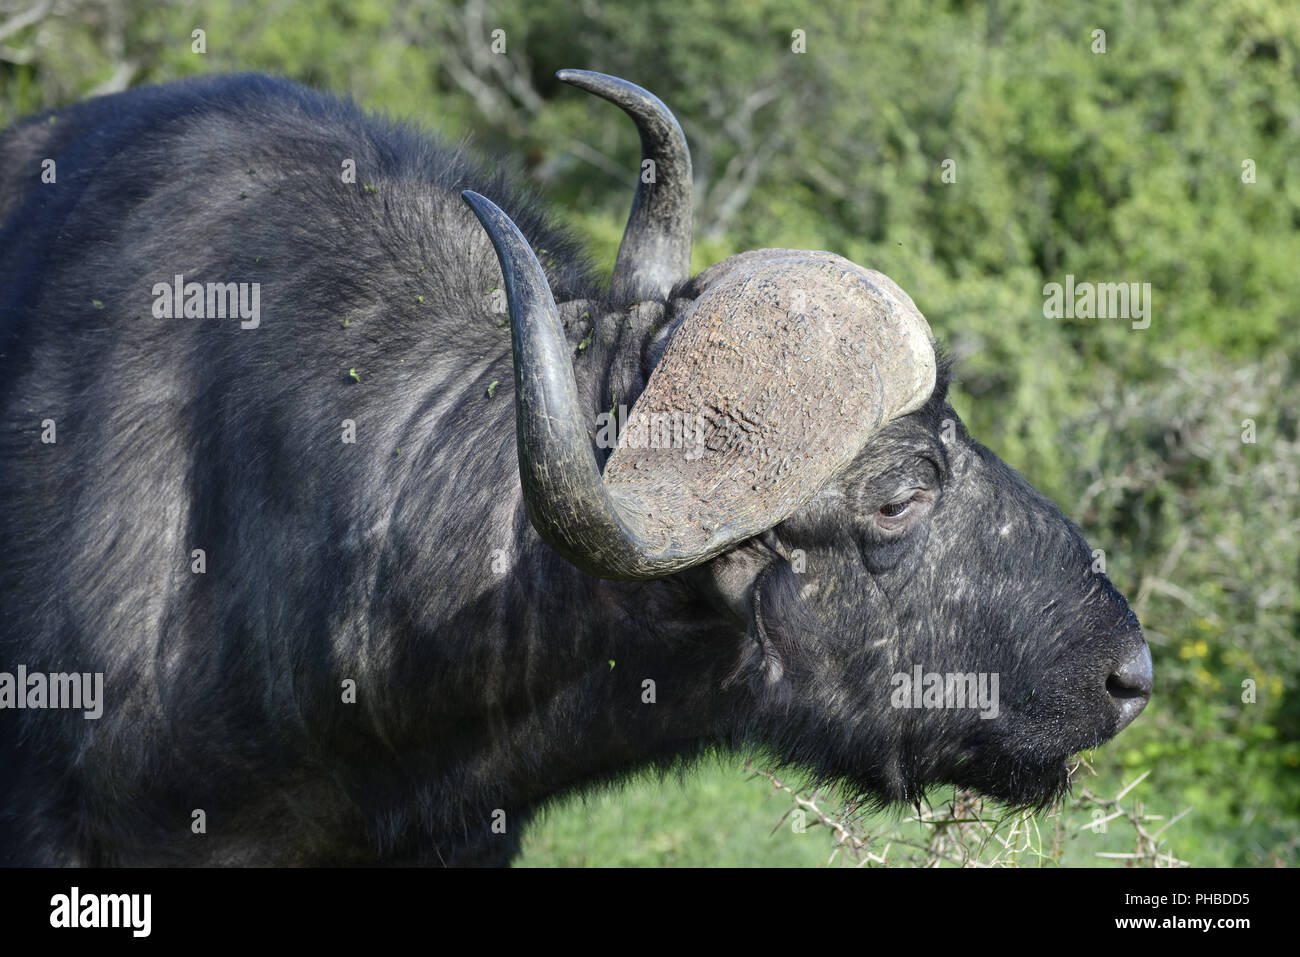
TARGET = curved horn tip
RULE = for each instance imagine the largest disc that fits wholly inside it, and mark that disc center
(636, 100)
(479, 203)
(578, 77)
(655, 253)
(500, 228)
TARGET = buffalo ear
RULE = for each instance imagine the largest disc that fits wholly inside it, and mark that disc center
(727, 581)
(750, 582)
(772, 592)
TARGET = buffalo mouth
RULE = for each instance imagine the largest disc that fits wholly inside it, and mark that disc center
(1025, 787)
(1026, 778)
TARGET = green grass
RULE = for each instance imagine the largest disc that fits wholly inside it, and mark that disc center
(715, 818)
(719, 815)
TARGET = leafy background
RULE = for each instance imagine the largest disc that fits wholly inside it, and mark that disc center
(1122, 166)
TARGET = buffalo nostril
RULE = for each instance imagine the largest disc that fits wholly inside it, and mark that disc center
(1130, 684)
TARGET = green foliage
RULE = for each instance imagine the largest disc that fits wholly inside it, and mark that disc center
(1123, 166)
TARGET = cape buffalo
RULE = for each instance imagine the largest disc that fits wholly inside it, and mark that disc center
(368, 560)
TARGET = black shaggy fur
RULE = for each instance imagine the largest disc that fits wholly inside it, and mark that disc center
(405, 562)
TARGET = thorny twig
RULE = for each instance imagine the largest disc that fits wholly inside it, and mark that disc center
(962, 833)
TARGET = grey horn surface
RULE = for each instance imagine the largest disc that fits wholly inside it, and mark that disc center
(567, 502)
(655, 253)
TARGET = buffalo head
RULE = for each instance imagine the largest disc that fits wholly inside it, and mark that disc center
(908, 610)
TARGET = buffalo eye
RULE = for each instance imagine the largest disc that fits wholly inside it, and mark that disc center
(903, 510)
(894, 509)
